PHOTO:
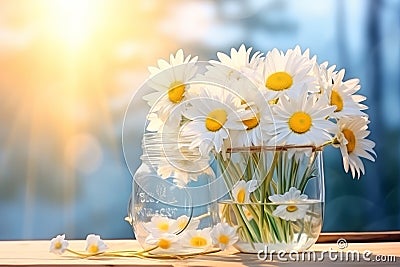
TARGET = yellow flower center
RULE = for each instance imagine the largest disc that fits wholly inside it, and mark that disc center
(163, 226)
(58, 245)
(216, 119)
(198, 241)
(93, 248)
(164, 243)
(336, 100)
(176, 91)
(291, 208)
(351, 140)
(279, 81)
(223, 239)
(300, 122)
(252, 122)
(241, 195)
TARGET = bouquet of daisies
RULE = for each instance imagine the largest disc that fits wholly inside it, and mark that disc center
(250, 101)
(243, 100)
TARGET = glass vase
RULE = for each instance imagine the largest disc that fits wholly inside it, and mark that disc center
(276, 196)
(170, 207)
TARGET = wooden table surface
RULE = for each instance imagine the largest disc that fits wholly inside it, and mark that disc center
(36, 253)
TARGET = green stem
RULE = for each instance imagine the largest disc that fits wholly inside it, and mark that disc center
(293, 173)
(308, 172)
(244, 223)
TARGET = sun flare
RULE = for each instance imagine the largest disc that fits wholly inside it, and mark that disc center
(74, 21)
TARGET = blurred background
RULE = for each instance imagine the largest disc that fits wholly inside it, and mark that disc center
(68, 69)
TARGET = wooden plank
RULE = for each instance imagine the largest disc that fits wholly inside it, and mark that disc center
(35, 253)
(389, 236)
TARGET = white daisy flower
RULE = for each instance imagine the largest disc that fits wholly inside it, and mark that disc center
(94, 244)
(302, 121)
(351, 135)
(291, 205)
(58, 244)
(186, 223)
(165, 241)
(287, 73)
(212, 115)
(236, 67)
(197, 238)
(258, 121)
(224, 235)
(241, 190)
(341, 95)
(324, 76)
(238, 72)
(161, 224)
(256, 117)
(170, 80)
(177, 162)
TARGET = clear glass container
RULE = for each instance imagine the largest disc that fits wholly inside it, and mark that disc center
(276, 198)
(171, 206)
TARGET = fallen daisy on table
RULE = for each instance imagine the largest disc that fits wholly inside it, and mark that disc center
(94, 244)
(58, 244)
(197, 238)
(223, 235)
(96, 247)
(161, 224)
(163, 241)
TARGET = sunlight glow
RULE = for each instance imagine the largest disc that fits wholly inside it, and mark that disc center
(62, 99)
(74, 20)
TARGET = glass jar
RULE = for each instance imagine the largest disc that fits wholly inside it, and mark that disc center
(276, 198)
(171, 208)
